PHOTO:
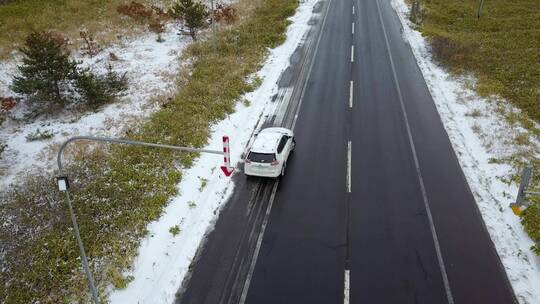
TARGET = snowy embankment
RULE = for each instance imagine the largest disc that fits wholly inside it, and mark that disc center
(479, 133)
(151, 67)
(163, 259)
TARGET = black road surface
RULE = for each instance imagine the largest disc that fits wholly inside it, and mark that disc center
(374, 207)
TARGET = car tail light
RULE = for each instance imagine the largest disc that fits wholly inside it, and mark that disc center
(275, 163)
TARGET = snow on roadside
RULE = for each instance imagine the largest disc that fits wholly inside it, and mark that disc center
(151, 67)
(163, 259)
(480, 133)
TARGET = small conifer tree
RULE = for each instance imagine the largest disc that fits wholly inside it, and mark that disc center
(47, 71)
(193, 14)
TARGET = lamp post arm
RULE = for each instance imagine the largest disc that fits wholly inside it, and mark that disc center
(127, 142)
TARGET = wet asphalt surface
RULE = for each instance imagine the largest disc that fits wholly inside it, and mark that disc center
(381, 230)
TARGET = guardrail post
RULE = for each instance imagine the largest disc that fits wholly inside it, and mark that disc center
(523, 191)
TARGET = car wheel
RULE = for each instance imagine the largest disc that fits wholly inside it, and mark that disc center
(293, 146)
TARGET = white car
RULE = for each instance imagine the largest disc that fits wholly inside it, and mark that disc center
(267, 156)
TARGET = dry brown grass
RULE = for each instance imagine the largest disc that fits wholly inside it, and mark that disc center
(96, 17)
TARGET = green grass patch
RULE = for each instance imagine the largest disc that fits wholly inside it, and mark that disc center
(175, 230)
(501, 48)
(117, 191)
(531, 222)
(99, 17)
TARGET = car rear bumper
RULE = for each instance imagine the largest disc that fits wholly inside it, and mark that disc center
(266, 172)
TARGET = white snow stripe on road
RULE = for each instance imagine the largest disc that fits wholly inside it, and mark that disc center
(347, 287)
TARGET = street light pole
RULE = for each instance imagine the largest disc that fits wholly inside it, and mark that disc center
(214, 42)
(480, 8)
(81, 249)
(63, 185)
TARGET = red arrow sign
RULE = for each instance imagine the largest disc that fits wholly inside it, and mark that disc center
(227, 170)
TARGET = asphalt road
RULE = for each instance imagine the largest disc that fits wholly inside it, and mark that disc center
(374, 207)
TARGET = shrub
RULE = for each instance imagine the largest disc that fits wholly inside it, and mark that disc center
(175, 230)
(225, 13)
(2, 148)
(152, 16)
(50, 77)
(39, 135)
(91, 47)
(193, 14)
(531, 221)
(47, 72)
(448, 52)
(6, 104)
(96, 90)
(156, 26)
(135, 10)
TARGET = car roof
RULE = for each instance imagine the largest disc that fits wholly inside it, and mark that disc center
(267, 140)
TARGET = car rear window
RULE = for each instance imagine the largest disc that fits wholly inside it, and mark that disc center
(261, 157)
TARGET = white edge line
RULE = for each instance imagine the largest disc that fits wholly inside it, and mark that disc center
(444, 275)
(347, 287)
(349, 161)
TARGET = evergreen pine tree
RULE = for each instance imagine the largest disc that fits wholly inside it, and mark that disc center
(47, 71)
(192, 13)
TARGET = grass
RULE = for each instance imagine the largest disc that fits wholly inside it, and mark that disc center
(175, 230)
(501, 49)
(20, 17)
(204, 182)
(116, 192)
(39, 135)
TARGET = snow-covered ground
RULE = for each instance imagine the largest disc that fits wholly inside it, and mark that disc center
(151, 67)
(480, 133)
(163, 259)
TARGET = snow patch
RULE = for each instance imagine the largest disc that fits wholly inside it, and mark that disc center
(151, 67)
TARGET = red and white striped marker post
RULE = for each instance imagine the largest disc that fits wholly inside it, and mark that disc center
(226, 168)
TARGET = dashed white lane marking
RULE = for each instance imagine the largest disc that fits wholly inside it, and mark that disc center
(352, 53)
(351, 94)
(442, 267)
(353, 9)
(349, 160)
(352, 28)
(347, 287)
